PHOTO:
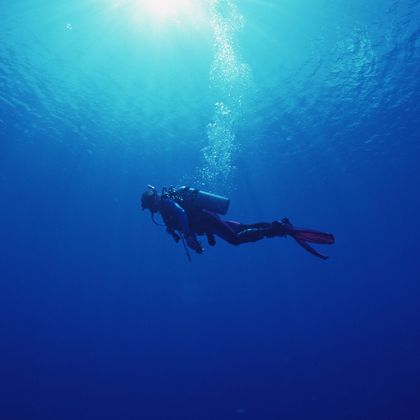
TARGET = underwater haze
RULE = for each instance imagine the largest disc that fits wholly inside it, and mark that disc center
(302, 109)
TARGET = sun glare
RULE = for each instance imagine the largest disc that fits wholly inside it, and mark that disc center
(164, 11)
(166, 8)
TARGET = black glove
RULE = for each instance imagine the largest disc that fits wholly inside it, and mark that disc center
(210, 239)
(173, 234)
(193, 243)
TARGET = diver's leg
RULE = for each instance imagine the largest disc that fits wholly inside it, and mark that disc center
(227, 230)
(237, 233)
(258, 231)
(212, 225)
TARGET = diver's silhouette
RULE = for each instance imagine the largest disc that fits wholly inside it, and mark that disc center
(188, 212)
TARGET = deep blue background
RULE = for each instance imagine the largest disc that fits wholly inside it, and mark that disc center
(102, 316)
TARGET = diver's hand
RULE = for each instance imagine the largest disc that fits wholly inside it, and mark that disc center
(193, 243)
(173, 234)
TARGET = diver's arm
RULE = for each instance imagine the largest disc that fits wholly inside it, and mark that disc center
(176, 219)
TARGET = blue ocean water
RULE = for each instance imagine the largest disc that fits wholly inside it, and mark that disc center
(308, 110)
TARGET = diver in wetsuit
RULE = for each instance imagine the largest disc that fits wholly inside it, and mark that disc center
(188, 212)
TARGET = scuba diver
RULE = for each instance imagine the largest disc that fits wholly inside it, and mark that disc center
(188, 212)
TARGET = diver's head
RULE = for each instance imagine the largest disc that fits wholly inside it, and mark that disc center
(150, 200)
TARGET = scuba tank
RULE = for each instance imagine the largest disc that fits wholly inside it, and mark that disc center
(200, 200)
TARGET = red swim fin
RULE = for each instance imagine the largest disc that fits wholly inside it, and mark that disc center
(313, 236)
(308, 248)
(303, 236)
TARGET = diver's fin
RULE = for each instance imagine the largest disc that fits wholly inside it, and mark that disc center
(308, 248)
(303, 236)
(313, 236)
